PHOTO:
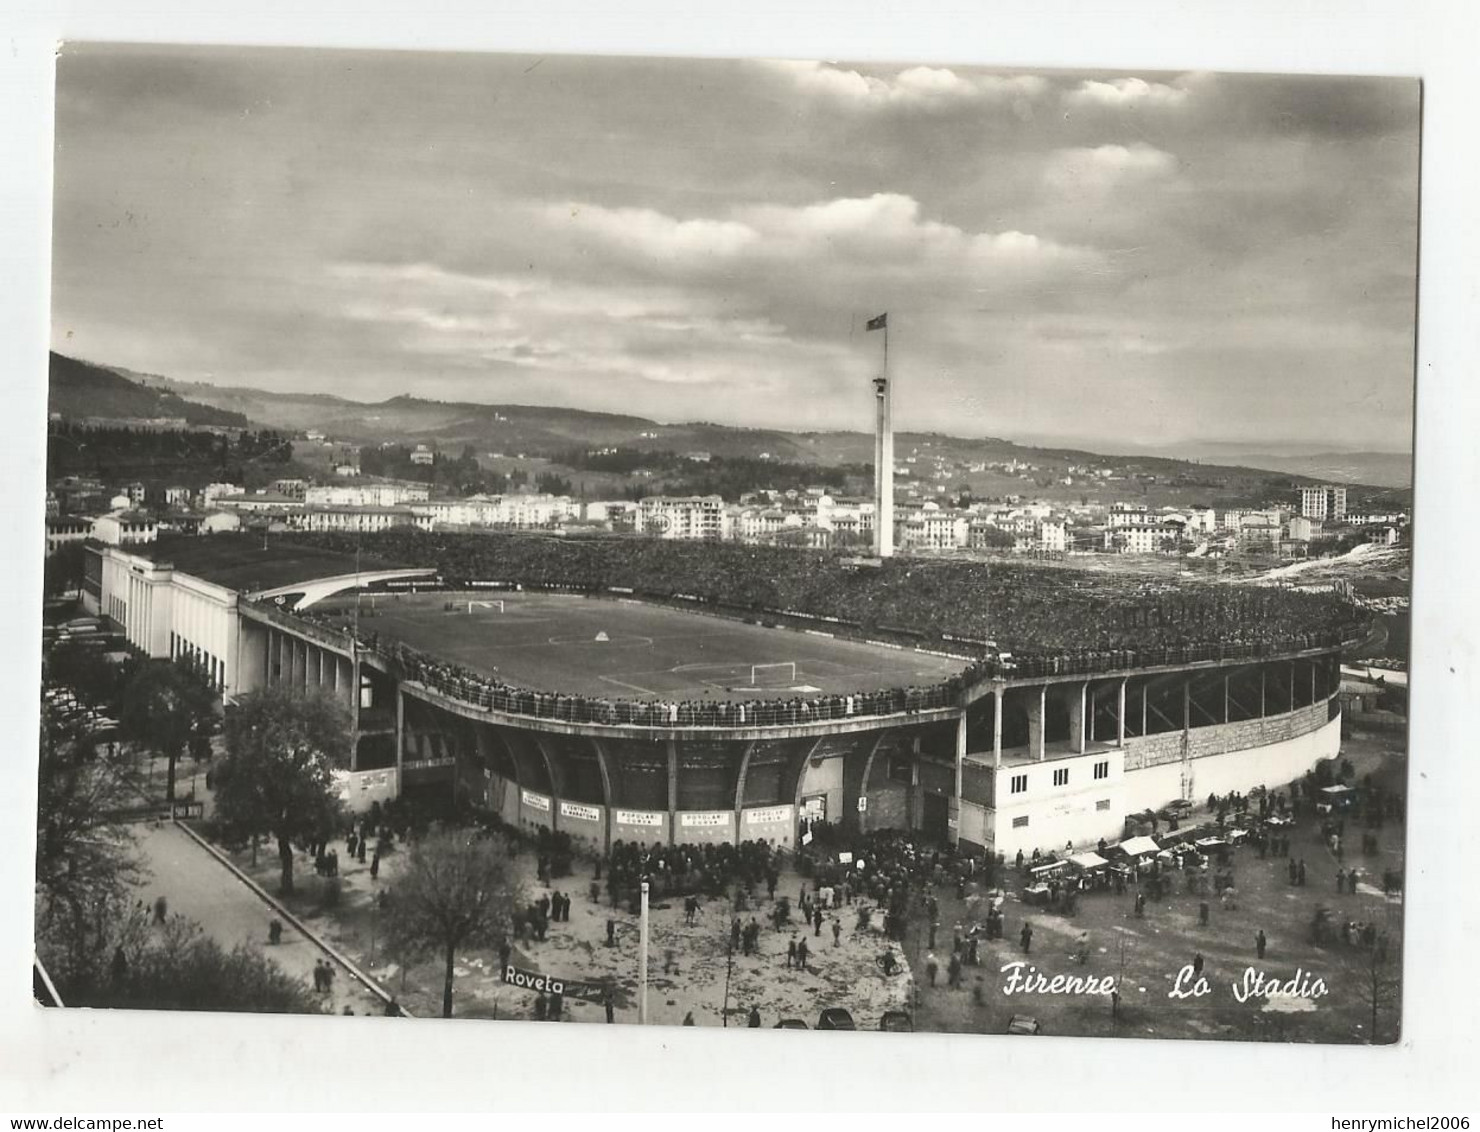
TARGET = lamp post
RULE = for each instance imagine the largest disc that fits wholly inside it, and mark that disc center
(642, 959)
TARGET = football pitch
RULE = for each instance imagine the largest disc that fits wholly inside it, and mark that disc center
(627, 649)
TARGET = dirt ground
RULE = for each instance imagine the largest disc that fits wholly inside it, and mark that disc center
(687, 964)
(1145, 955)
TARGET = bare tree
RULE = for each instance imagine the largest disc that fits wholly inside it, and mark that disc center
(457, 888)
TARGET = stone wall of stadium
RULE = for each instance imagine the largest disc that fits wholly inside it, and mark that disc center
(1008, 762)
(1016, 764)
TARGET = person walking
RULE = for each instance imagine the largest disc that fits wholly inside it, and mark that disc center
(791, 951)
(608, 1002)
(1300, 872)
(953, 972)
(837, 930)
(1260, 943)
(817, 921)
(932, 967)
(1197, 965)
(1141, 904)
(802, 953)
(1026, 938)
(1340, 880)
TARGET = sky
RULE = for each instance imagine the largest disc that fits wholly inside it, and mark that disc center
(1120, 259)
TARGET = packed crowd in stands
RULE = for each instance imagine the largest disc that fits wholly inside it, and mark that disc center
(1014, 621)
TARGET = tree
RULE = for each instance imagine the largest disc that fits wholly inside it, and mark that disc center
(1382, 982)
(456, 889)
(276, 779)
(85, 867)
(177, 967)
(62, 573)
(164, 706)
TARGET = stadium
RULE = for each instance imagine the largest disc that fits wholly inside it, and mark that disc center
(658, 691)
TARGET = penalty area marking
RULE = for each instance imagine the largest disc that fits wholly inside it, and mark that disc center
(624, 684)
(592, 640)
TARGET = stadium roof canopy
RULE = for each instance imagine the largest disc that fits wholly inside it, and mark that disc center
(240, 562)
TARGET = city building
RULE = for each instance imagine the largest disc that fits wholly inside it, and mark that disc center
(62, 529)
(357, 520)
(1128, 515)
(1143, 538)
(125, 528)
(1325, 502)
(682, 517)
(379, 494)
(421, 454)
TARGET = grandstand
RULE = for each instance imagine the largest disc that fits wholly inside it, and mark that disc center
(656, 691)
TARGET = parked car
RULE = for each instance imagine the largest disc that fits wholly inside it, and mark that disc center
(1024, 1024)
(835, 1018)
(791, 1024)
(897, 1022)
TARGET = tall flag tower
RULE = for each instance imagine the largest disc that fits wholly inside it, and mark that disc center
(883, 451)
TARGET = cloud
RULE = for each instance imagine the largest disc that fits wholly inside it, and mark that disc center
(1128, 93)
(650, 233)
(1100, 168)
(911, 88)
(885, 233)
(538, 323)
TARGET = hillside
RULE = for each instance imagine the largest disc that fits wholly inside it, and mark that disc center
(531, 438)
(80, 389)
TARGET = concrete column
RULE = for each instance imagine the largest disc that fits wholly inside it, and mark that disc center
(1225, 699)
(997, 701)
(1186, 706)
(1120, 715)
(1037, 707)
(354, 712)
(1077, 718)
(960, 763)
(1262, 673)
(672, 789)
(740, 790)
(400, 737)
(1292, 686)
(1312, 681)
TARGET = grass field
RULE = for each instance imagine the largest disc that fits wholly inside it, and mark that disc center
(555, 643)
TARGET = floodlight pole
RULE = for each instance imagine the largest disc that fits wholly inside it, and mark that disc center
(642, 959)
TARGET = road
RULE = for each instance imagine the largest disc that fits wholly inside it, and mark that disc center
(198, 886)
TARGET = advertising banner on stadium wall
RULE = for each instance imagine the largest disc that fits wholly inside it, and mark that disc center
(582, 989)
(768, 816)
(535, 801)
(637, 817)
(706, 818)
(579, 812)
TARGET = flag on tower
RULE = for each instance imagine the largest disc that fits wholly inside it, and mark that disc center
(880, 323)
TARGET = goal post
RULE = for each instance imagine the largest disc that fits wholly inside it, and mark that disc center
(491, 603)
(757, 670)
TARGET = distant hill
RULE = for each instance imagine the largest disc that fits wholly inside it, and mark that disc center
(937, 465)
(80, 389)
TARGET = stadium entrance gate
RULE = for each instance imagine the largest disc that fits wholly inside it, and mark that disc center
(935, 816)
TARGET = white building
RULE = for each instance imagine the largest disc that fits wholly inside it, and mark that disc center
(216, 522)
(62, 529)
(1142, 538)
(1325, 502)
(125, 528)
(1128, 515)
(523, 512)
(421, 454)
(214, 491)
(682, 517)
(358, 520)
(366, 495)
